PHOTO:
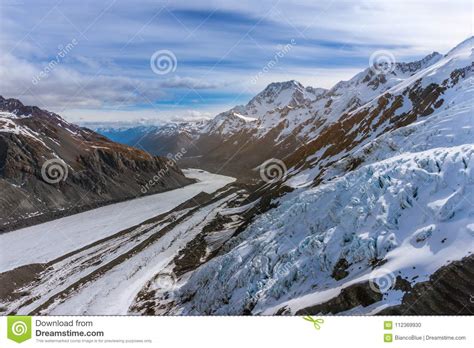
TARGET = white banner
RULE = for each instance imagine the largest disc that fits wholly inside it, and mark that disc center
(222, 332)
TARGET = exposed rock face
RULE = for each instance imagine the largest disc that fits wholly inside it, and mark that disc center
(355, 295)
(448, 291)
(49, 167)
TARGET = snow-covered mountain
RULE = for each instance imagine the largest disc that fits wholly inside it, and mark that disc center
(276, 122)
(364, 207)
(288, 116)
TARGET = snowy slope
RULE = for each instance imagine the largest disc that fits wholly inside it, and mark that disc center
(412, 210)
(8, 125)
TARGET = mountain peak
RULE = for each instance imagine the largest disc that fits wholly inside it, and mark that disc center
(10, 103)
(276, 88)
(282, 94)
(19, 109)
(284, 85)
(418, 65)
(432, 56)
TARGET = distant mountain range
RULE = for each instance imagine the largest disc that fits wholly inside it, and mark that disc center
(159, 140)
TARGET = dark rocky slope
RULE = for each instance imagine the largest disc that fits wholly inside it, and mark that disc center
(51, 168)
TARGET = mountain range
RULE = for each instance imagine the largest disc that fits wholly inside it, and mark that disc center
(285, 117)
(350, 200)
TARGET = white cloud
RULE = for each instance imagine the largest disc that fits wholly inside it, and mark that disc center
(192, 115)
(63, 88)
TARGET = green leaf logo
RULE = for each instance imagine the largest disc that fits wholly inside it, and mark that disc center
(316, 322)
(19, 328)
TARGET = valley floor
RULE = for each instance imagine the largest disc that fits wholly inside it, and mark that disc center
(47, 241)
(94, 265)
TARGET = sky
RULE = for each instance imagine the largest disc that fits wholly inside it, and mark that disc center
(158, 61)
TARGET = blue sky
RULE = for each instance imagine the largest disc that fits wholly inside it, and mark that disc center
(90, 60)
